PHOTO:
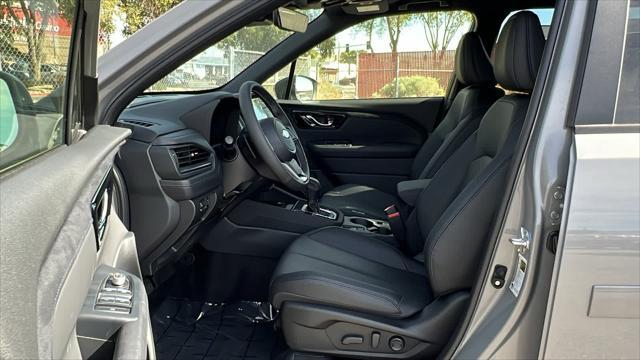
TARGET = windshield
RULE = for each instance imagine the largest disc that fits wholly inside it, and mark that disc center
(221, 62)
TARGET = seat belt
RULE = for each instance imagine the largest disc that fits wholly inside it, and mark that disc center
(397, 225)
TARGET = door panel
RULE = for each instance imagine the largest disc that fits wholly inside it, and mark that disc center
(365, 141)
(49, 249)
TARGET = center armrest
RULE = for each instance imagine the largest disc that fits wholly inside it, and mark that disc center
(409, 190)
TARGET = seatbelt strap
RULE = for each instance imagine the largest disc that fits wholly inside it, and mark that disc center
(396, 224)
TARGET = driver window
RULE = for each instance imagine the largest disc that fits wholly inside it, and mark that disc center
(398, 56)
(217, 65)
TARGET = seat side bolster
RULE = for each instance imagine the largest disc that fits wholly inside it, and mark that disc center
(308, 287)
(455, 245)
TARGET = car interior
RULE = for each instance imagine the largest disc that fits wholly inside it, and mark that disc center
(259, 233)
(269, 227)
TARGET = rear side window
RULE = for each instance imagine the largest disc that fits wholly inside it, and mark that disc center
(35, 42)
(400, 56)
(627, 110)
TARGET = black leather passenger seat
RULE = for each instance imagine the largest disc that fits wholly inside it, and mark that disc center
(475, 72)
(342, 292)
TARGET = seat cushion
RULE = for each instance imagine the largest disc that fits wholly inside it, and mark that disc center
(346, 269)
(358, 200)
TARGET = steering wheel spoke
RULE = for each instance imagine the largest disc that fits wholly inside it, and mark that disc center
(274, 137)
(294, 167)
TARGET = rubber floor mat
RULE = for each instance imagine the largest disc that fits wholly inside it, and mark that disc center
(188, 330)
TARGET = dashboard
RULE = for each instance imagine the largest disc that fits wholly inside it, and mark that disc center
(173, 170)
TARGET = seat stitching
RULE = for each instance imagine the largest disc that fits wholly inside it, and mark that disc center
(333, 263)
(379, 296)
(396, 251)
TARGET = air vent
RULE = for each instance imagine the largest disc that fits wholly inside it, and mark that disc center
(139, 123)
(189, 158)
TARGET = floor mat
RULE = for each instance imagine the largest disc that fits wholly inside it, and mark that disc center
(186, 329)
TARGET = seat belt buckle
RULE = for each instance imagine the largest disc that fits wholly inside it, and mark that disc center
(395, 222)
(392, 212)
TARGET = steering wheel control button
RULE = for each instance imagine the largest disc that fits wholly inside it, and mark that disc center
(396, 343)
(375, 339)
(352, 340)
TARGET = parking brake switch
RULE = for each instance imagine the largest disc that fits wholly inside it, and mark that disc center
(115, 295)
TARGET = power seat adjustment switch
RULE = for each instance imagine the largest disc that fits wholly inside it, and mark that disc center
(396, 343)
(115, 294)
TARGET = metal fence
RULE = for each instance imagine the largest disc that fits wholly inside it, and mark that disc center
(375, 70)
(40, 68)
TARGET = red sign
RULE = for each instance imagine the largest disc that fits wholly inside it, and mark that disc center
(55, 24)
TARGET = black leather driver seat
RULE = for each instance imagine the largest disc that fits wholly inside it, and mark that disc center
(474, 71)
(346, 293)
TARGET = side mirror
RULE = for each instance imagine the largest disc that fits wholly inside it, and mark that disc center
(8, 117)
(303, 88)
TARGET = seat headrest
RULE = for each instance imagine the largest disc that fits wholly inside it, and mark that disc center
(518, 52)
(472, 62)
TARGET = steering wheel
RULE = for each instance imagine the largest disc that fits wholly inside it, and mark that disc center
(274, 137)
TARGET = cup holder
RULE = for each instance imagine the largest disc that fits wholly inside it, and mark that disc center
(368, 225)
(362, 221)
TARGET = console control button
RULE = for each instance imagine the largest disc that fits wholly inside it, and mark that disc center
(118, 279)
(115, 295)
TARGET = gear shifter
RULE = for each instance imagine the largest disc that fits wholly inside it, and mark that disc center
(313, 188)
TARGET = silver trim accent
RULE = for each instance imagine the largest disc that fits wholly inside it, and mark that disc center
(322, 212)
(522, 243)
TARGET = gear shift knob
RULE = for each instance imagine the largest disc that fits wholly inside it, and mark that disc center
(313, 189)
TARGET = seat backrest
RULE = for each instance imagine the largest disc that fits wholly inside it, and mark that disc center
(474, 71)
(454, 213)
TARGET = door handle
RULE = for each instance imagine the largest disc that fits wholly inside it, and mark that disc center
(312, 121)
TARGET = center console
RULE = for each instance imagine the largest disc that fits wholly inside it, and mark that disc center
(361, 224)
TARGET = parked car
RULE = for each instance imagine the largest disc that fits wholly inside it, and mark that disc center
(50, 74)
(303, 221)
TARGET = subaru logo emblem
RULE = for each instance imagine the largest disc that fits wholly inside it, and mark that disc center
(285, 134)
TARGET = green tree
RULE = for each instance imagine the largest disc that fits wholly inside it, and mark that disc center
(255, 38)
(35, 18)
(326, 49)
(108, 8)
(349, 57)
(392, 26)
(440, 27)
(367, 28)
(411, 86)
(138, 13)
